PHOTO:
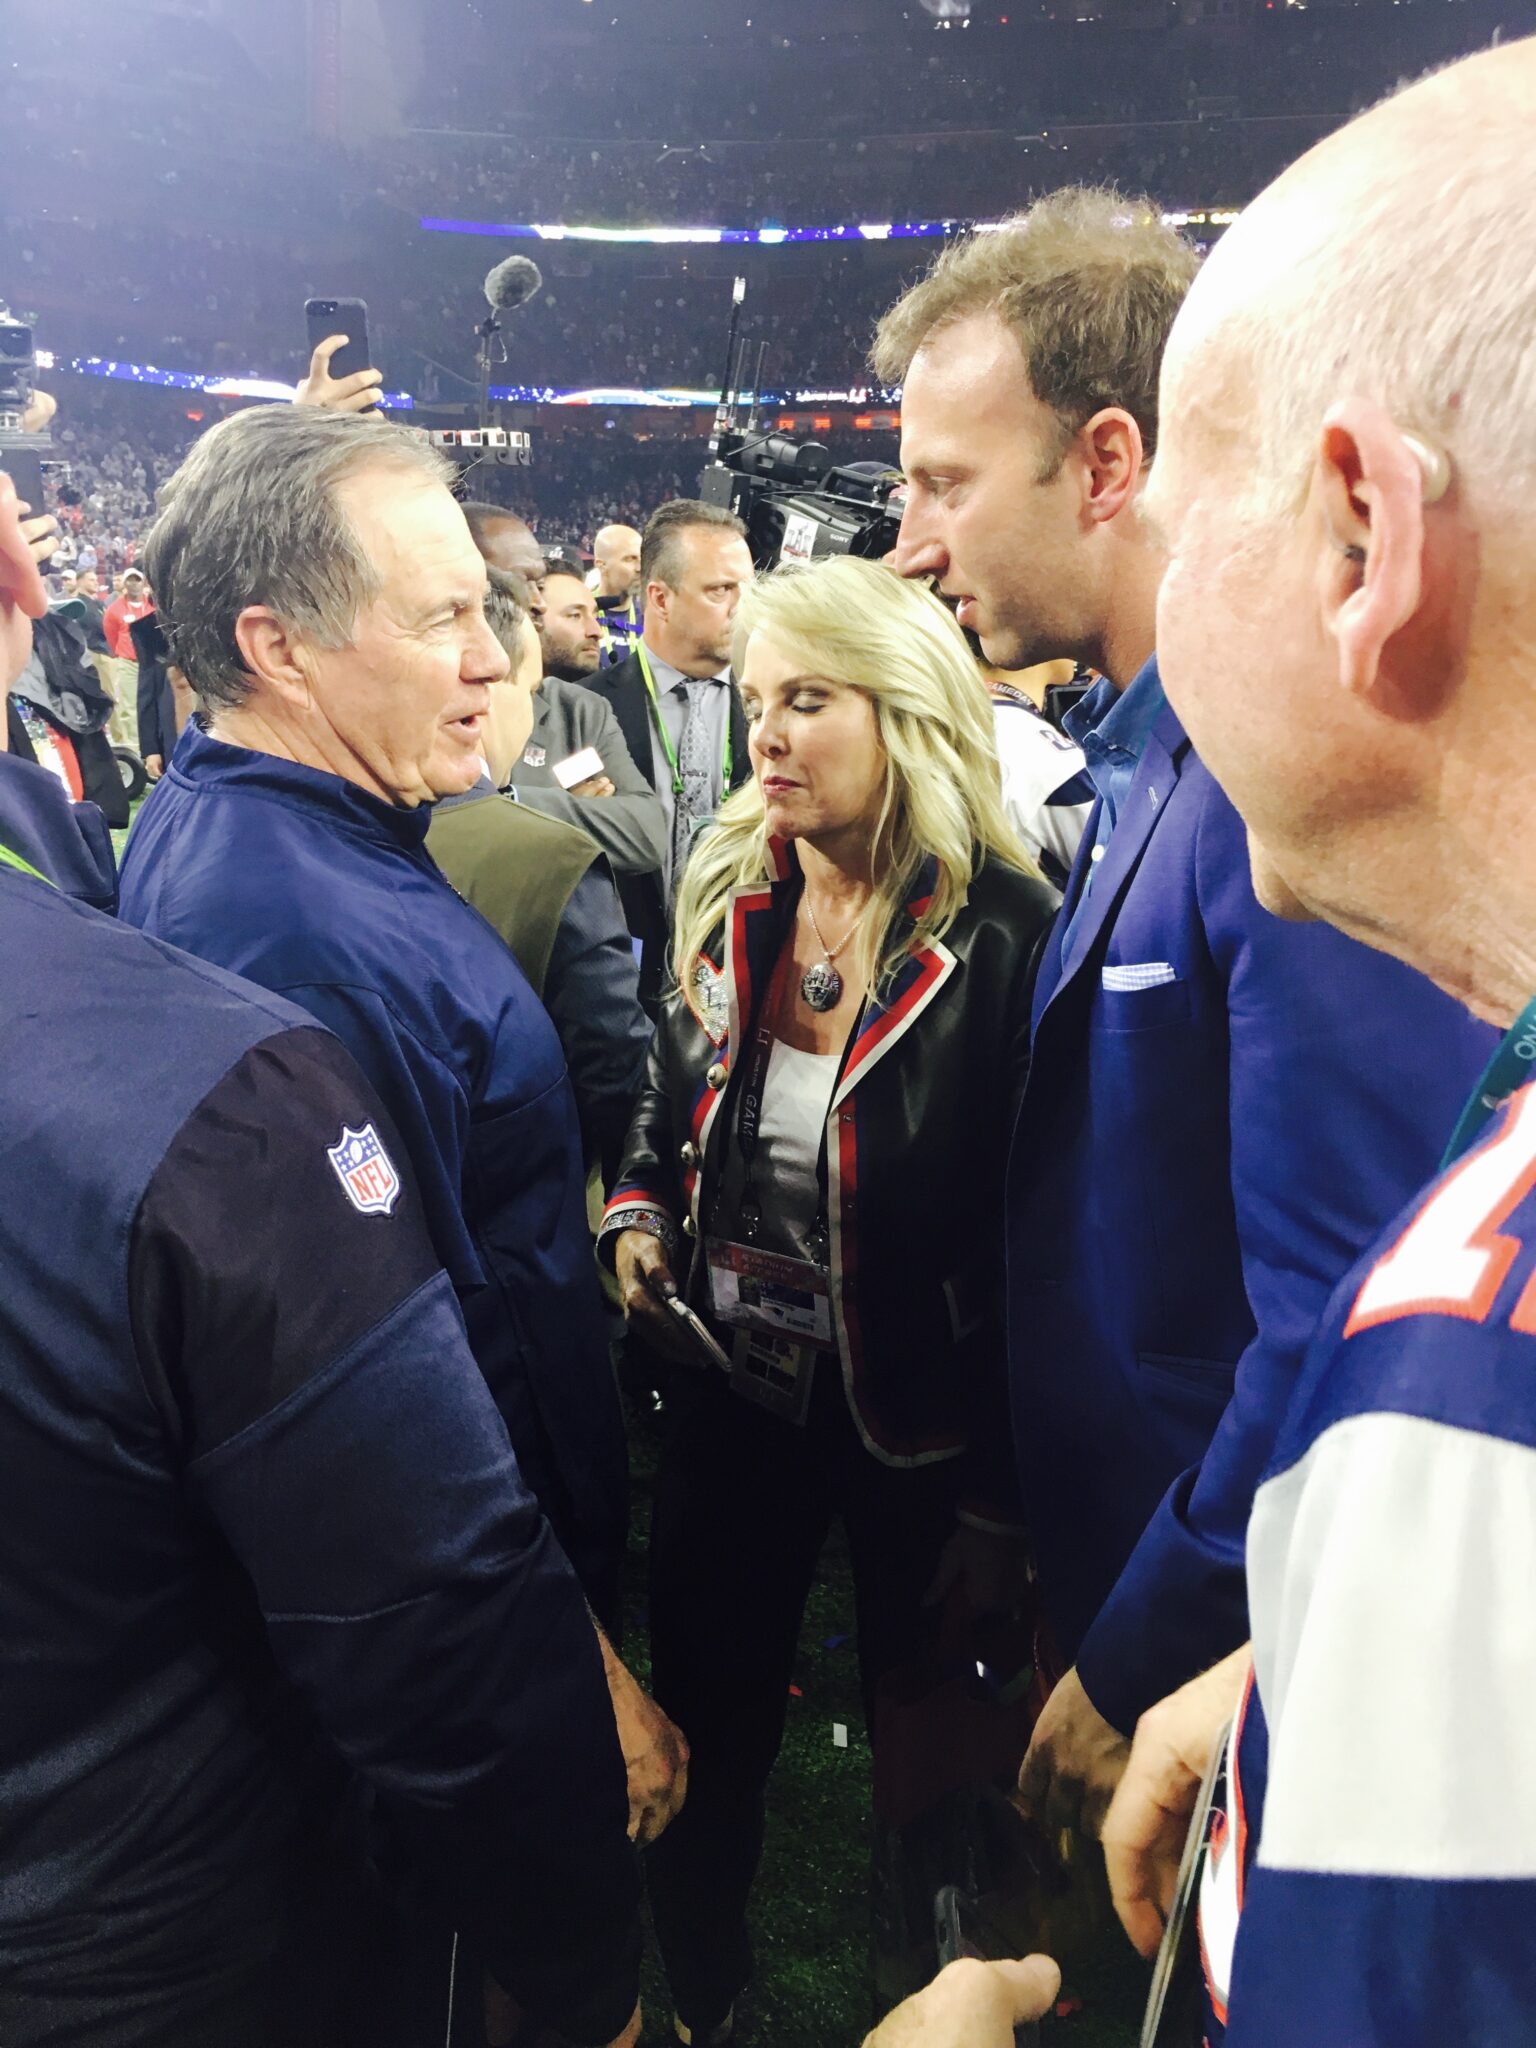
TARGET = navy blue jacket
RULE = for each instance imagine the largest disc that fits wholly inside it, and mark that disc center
(313, 889)
(263, 1529)
(1197, 1162)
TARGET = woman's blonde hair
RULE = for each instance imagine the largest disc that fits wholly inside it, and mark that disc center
(860, 624)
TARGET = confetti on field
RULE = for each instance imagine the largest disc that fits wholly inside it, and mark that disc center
(834, 1642)
(795, 1693)
(839, 1735)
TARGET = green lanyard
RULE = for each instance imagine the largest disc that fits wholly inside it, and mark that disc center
(14, 860)
(1510, 1068)
(666, 738)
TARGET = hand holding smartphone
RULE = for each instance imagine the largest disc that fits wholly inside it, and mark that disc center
(695, 1329)
(326, 318)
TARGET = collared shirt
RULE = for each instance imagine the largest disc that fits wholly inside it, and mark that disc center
(1111, 727)
(672, 697)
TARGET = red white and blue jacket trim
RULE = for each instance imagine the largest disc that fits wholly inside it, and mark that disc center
(917, 1133)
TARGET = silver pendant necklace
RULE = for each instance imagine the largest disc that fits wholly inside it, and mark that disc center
(821, 986)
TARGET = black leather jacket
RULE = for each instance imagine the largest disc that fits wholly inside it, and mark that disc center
(918, 1133)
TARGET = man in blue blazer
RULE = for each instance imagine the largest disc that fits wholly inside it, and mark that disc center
(1222, 1109)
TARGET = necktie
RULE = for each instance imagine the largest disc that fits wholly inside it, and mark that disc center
(695, 800)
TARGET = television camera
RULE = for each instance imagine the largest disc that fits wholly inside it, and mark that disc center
(797, 505)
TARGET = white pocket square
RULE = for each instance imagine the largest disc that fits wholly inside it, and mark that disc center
(1145, 974)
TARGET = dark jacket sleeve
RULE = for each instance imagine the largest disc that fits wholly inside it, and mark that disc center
(309, 1356)
(631, 825)
(156, 710)
(152, 729)
(990, 1494)
(648, 1179)
(591, 990)
(426, 1097)
(1346, 1071)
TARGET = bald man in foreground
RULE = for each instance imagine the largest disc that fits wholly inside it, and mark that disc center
(1348, 630)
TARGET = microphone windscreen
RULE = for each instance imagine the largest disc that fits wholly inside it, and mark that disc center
(512, 283)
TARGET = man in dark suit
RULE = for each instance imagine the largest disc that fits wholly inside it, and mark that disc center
(675, 702)
(159, 722)
(1223, 1109)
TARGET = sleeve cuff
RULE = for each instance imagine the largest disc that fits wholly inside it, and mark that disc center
(634, 1211)
(992, 1523)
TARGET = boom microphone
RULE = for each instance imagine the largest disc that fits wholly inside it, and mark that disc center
(512, 283)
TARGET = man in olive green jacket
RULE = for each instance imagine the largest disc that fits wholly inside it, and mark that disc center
(547, 888)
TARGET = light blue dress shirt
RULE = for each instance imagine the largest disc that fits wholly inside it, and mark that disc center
(1111, 727)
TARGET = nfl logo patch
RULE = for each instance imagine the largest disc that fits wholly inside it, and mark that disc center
(365, 1170)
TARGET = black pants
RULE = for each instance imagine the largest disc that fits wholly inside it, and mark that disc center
(743, 1506)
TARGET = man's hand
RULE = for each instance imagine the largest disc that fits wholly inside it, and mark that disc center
(972, 2005)
(154, 767)
(338, 394)
(595, 785)
(1074, 1763)
(1144, 1833)
(630, 2038)
(41, 535)
(41, 408)
(22, 596)
(991, 1567)
(655, 1751)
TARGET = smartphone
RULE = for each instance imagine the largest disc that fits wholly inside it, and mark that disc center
(341, 316)
(1176, 2002)
(697, 1330)
(24, 467)
(959, 1929)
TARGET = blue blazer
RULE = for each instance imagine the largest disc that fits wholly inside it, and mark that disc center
(1197, 1162)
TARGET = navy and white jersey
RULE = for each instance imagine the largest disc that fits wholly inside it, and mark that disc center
(1384, 1801)
(1046, 790)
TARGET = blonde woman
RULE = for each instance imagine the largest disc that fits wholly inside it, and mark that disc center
(815, 1169)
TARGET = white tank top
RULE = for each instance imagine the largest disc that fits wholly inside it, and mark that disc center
(796, 1095)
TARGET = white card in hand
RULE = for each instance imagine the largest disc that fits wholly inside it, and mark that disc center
(577, 767)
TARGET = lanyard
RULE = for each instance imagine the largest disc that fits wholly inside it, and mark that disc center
(14, 860)
(750, 1109)
(1510, 1068)
(726, 759)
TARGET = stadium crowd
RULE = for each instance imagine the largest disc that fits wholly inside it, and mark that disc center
(249, 220)
(988, 1018)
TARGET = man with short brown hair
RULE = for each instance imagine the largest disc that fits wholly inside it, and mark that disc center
(1049, 559)
(1210, 1131)
(674, 699)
